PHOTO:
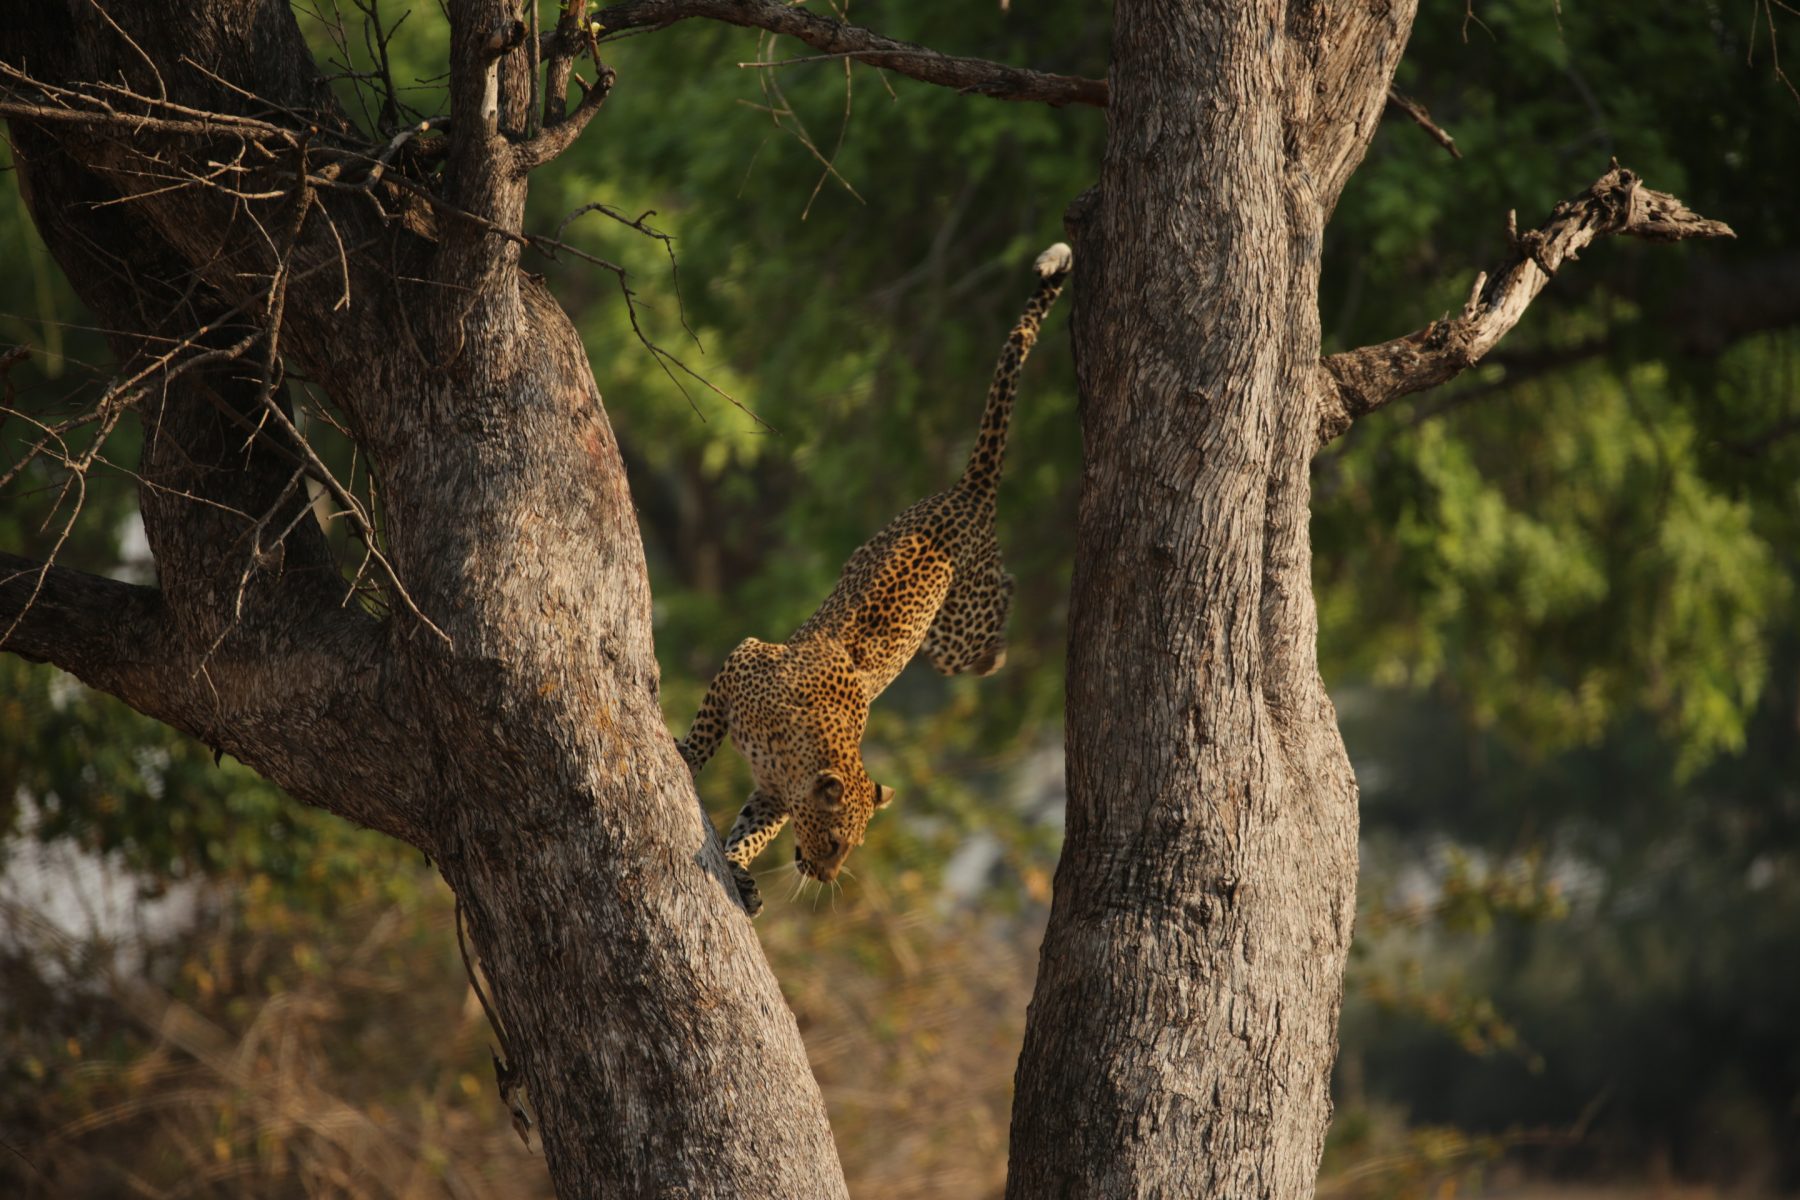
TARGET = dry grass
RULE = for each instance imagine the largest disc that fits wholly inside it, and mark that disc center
(344, 1055)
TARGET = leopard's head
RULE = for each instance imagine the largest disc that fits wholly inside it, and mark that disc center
(829, 821)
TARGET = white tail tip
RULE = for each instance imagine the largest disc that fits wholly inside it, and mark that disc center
(1056, 260)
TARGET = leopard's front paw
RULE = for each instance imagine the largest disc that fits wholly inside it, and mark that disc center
(748, 894)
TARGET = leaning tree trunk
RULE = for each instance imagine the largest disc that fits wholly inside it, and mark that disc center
(1182, 1033)
(503, 716)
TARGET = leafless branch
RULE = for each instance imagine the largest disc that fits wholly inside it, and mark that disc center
(48, 102)
(639, 223)
(784, 116)
(1407, 107)
(974, 76)
(132, 123)
(1360, 381)
(158, 371)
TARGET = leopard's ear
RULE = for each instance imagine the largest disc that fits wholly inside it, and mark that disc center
(884, 795)
(828, 789)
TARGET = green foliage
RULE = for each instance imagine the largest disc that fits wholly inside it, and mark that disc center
(1555, 562)
(92, 771)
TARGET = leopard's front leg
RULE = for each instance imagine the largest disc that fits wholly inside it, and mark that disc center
(757, 823)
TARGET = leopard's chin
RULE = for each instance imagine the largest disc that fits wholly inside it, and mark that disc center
(812, 872)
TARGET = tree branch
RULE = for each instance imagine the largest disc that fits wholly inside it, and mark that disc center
(305, 703)
(971, 75)
(838, 39)
(479, 177)
(92, 627)
(556, 138)
(1360, 381)
(1419, 115)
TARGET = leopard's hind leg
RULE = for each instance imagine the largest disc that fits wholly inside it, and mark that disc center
(969, 632)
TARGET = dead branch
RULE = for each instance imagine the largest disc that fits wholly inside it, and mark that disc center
(1359, 381)
(37, 100)
(190, 352)
(973, 76)
(1411, 109)
(640, 223)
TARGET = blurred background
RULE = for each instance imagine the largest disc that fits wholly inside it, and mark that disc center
(1557, 600)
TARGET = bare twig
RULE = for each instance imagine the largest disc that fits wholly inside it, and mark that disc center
(393, 147)
(1408, 107)
(639, 224)
(784, 116)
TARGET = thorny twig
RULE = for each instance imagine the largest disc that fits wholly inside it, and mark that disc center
(649, 231)
(70, 105)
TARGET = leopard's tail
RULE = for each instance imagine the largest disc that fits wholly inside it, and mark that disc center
(983, 471)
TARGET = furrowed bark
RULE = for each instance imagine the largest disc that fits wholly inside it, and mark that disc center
(1183, 1029)
(518, 735)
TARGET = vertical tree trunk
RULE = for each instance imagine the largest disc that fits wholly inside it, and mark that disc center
(1184, 1025)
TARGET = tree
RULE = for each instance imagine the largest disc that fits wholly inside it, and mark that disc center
(494, 700)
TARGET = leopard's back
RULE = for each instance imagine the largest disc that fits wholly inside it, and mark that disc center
(889, 592)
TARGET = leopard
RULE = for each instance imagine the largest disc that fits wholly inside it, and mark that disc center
(932, 580)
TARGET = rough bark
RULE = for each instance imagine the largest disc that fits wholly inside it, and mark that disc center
(1182, 1033)
(509, 726)
(1184, 1025)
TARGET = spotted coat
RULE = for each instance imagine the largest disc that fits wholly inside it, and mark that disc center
(931, 580)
